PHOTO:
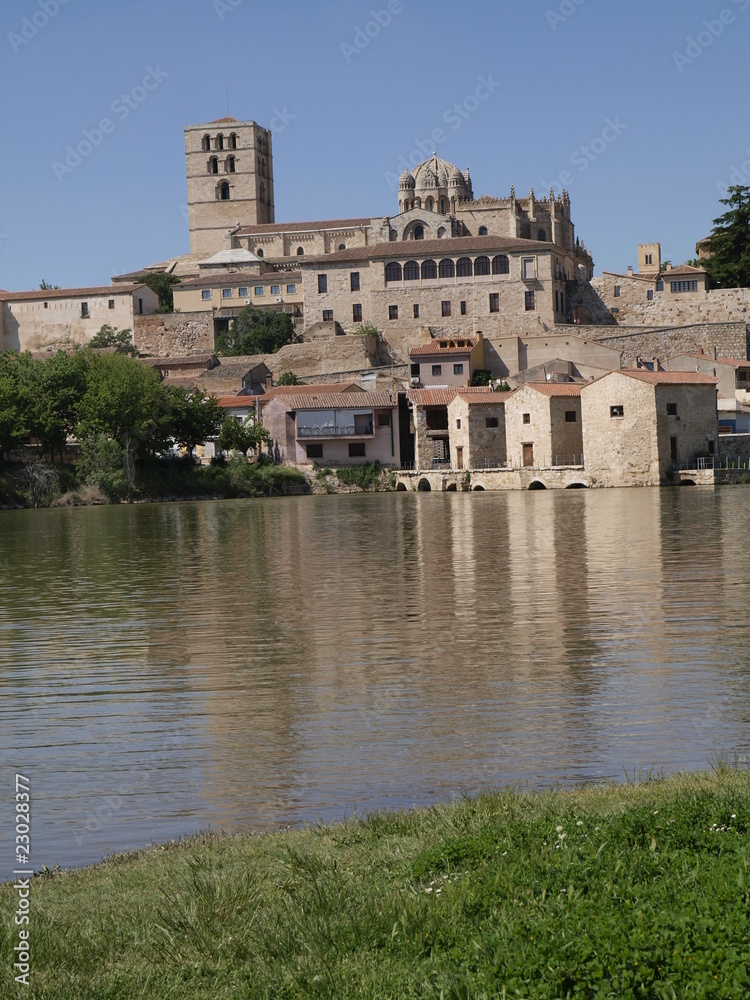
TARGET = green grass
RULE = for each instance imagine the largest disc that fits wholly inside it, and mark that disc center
(628, 891)
(366, 476)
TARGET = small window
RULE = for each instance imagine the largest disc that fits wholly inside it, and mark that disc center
(529, 303)
(671, 409)
(445, 307)
(659, 285)
(84, 310)
(617, 291)
(342, 246)
(206, 293)
(327, 315)
(527, 418)
(416, 310)
(226, 293)
(463, 308)
(224, 194)
(392, 312)
(650, 294)
(570, 416)
(491, 422)
(322, 283)
(528, 268)
(354, 281)
(437, 369)
(275, 289)
(649, 259)
(357, 449)
(384, 420)
(291, 289)
(111, 303)
(419, 232)
(46, 304)
(357, 312)
(259, 291)
(242, 292)
(483, 230)
(617, 411)
(557, 302)
(458, 369)
(259, 252)
(541, 235)
(458, 423)
(315, 451)
(300, 251)
(494, 302)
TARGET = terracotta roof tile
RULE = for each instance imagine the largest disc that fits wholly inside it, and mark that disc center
(72, 293)
(434, 348)
(441, 397)
(486, 399)
(301, 227)
(235, 402)
(668, 378)
(447, 247)
(304, 390)
(556, 388)
(341, 401)
(683, 269)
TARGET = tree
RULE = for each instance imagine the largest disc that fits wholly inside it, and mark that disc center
(246, 436)
(481, 376)
(256, 331)
(728, 246)
(289, 378)
(47, 288)
(193, 418)
(58, 383)
(107, 336)
(15, 399)
(162, 284)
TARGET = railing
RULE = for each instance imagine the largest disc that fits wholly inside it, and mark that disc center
(337, 431)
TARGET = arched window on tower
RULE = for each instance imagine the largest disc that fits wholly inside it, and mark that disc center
(442, 206)
(230, 165)
(500, 264)
(206, 142)
(219, 141)
(446, 268)
(541, 235)
(428, 204)
(213, 165)
(300, 251)
(483, 230)
(392, 271)
(463, 267)
(419, 232)
(411, 271)
(224, 191)
(233, 140)
(342, 246)
(482, 265)
(429, 269)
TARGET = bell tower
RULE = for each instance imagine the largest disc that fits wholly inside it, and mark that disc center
(229, 180)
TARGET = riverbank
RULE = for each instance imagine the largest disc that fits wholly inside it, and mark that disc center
(635, 890)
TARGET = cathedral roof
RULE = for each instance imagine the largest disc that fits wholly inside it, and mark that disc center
(302, 227)
(437, 172)
(446, 247)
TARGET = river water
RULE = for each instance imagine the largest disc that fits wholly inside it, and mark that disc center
(255, 663)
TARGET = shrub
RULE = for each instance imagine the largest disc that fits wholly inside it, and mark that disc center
(365, 476)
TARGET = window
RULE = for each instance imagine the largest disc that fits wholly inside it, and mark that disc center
(494, 302)
(419, 232)
(429, 269)
(541, 235)
(617, 411)
(357, 312)
(527, 418)
(357, 449)
(463, 308)
(354, 281)
(327, 315)
(219, 141)
(562, 302)
(322, 283)
(659, 285)
(683, 286)
(570, 416)
(445, 307)
(206, 142)
(259, 290)
(224, 192)
(437, 369)
(491, 422)
(464, 267)
(315, 451)
(84, 310)
(259, 253)
(233, 140)
(342, 246)
(213, 165)
(275, 289)
(483, 230)
(206, 293)
(411, 271)
(230, 165)
(458, 423)
(650, 294)
(416, 310)
(226, 293)
(458, 369)
(649, 259)
(557, 303)
(46, 304)
(291, 289)
(111, 303)
(300, 251)
(617, 291)
(446, 268)
(671, 409)
(392, 312)
(529, 303)
(528, 268)
(242, 293)
(482, 265)
(393, 271)
(500, 264)
(384, 420)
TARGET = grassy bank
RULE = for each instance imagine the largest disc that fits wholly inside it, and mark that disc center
(618, 891)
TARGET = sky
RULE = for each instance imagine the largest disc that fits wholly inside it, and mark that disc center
(639, 108)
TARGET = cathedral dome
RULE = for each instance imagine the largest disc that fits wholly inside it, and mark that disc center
(438, 173)
(406, 180)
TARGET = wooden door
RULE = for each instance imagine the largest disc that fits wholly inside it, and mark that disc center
(528, 455)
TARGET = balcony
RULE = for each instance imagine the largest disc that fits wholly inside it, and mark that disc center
(336, 431)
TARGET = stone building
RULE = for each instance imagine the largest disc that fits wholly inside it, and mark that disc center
(476, 423)
(543, 425)
(429, 424)
(445, 362)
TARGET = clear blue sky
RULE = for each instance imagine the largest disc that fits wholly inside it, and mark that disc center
(344, 113)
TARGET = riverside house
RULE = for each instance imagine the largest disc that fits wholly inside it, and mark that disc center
(543, 425)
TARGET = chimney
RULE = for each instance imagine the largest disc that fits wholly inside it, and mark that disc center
(630, 270)
(657, 366)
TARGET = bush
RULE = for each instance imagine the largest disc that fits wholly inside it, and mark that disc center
(365, 476)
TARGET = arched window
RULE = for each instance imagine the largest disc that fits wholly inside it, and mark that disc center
(463, 267)
(224, 191)
(541, 235)
(219, 141)
(483, 230)
(206, 142)
(393, 271)
(442, 206)
(342, 246)
(230, 165)
(441, 233)
(259, 252)
(428, 204)
(429, 269)
(213, 164)
(411, 271)
(500, 264)
(419, 232)
(300, 251)
(446, 269)
(482, 265)
(233, 140)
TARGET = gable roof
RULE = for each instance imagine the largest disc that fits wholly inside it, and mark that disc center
(72, 293)
(555, 388)
(300, 227)
(732, 362)
(683, 269)
(454, 246)
(341, 401)
(434, 348)
(441, 397)
(313, 389)
(484, 399)
(669, 378)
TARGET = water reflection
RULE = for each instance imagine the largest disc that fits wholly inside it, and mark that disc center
(254, 663)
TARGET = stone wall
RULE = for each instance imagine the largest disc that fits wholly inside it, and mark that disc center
(732, 340)
(733, 447)
(166, 334)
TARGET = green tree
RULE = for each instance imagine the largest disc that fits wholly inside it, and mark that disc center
(193, 418)
(246, 436)
(256, 331)
(47, 288)
(481, 376)
(728, 263)
(162, 283)
(289, 378)
(57, 383)
(15, 400)
(107, 336)
(368, 330)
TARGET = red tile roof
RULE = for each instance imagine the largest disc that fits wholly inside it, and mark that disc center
(303, 390)
(301, 227)
(486, 399)
(72, 293)
(441, 397)
(236, 402)
(220, 121)
(434, 348)
(732, 362)
(214, 279)
(668, 378)
(555, 388)
(447, 247)
(683, 269)
(341, 401)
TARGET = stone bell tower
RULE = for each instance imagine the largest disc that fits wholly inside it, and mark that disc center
(229, 180)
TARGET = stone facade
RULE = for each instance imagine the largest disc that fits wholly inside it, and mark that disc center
(477, 431)
(173, 333)
(730, 340)
(543, 425)
(227, 293)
